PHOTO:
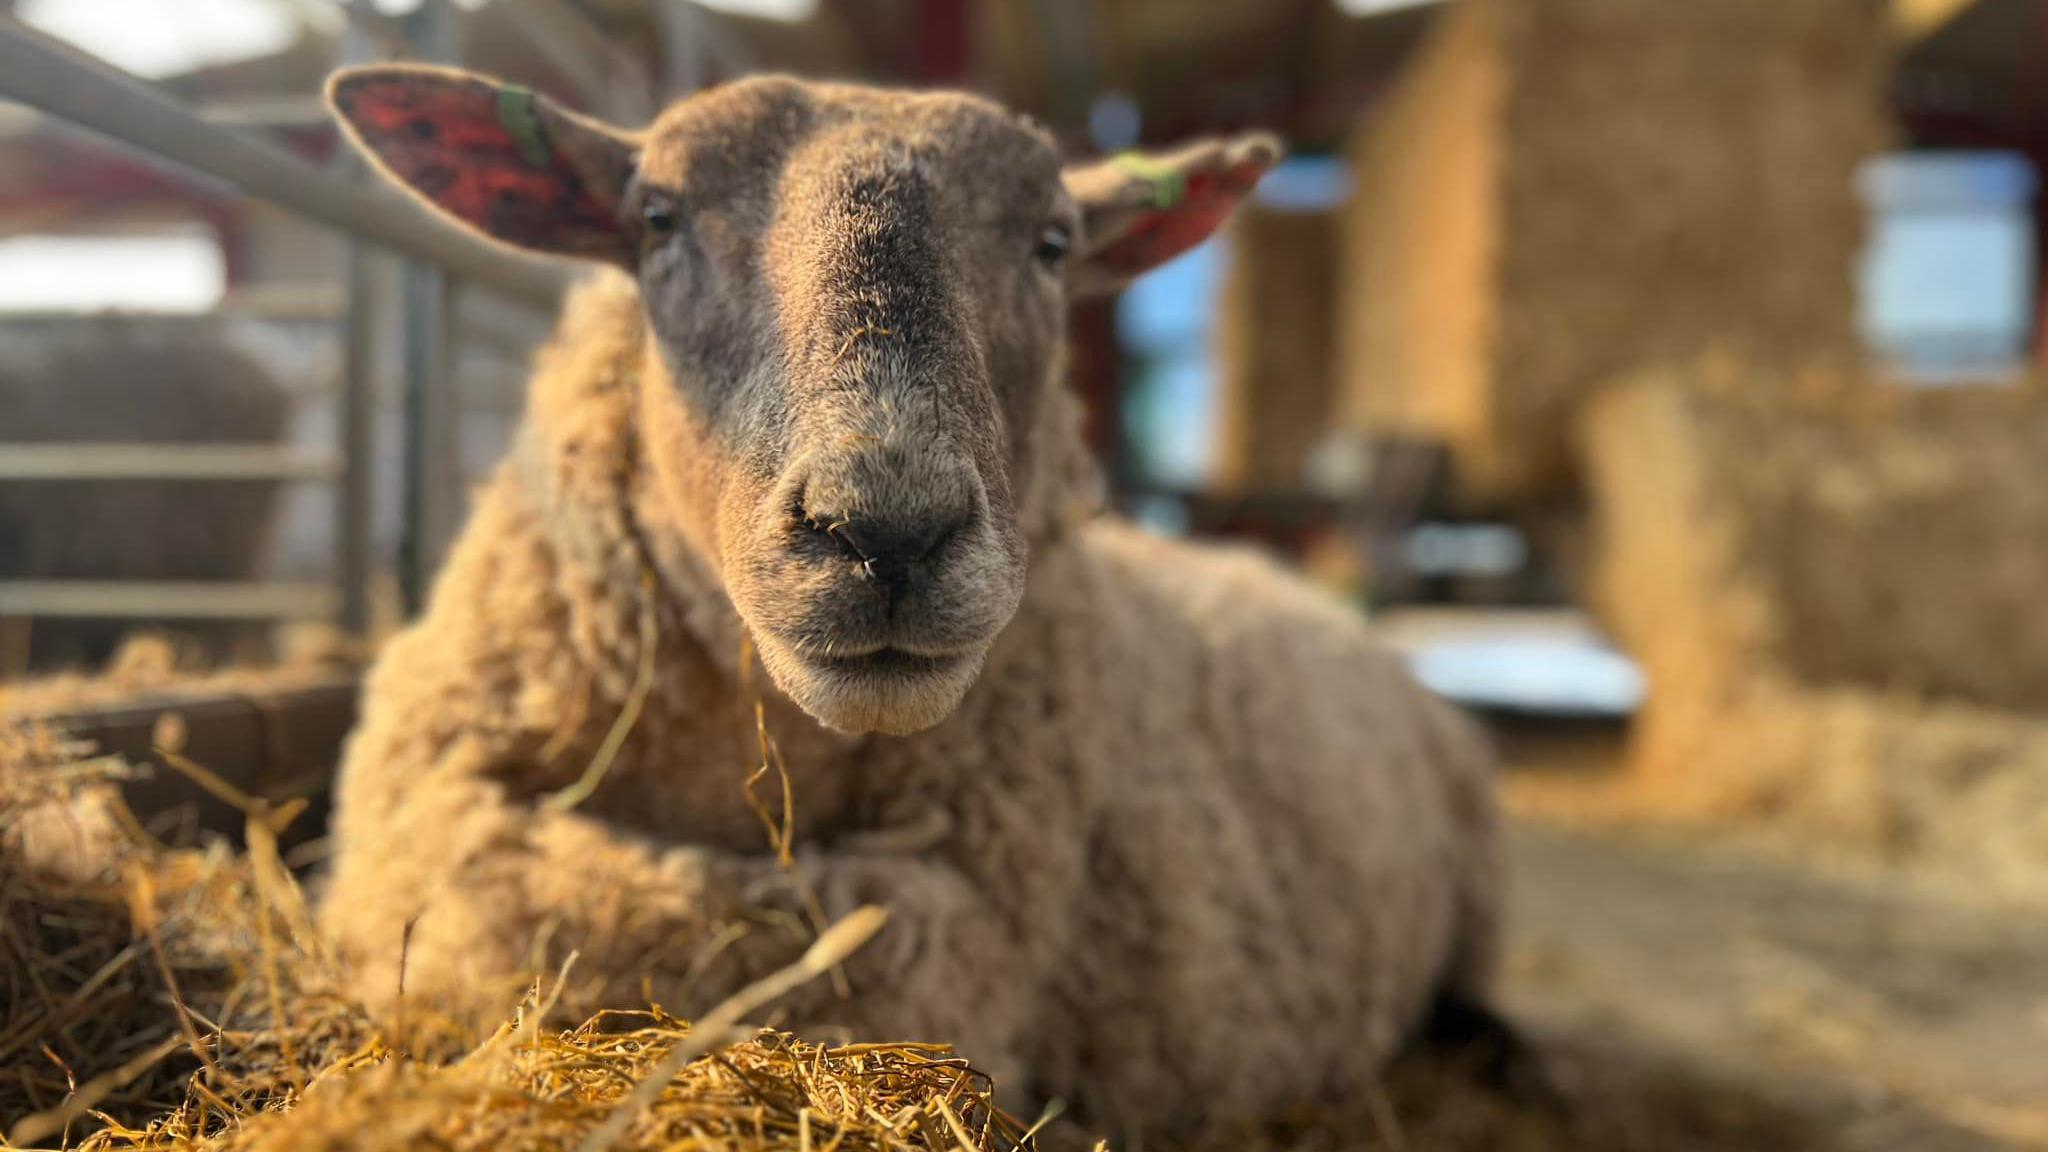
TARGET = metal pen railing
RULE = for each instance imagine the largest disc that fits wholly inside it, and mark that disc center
(52, 77)
(59, 81)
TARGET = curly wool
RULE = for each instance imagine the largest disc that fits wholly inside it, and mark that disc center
(1194, 853)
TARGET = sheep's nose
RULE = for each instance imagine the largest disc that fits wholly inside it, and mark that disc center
(890, 549)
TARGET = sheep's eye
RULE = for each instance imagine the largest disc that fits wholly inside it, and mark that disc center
(1053, 245)
(659, 214)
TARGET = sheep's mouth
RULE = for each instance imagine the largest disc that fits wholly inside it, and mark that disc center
(887, 689)
(889, 661)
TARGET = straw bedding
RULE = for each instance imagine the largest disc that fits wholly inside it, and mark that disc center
(171, 998)
(161, 998)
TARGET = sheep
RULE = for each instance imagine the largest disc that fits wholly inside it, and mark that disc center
(130, 378)
(793, 595)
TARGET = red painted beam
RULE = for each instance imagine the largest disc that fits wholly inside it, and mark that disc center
(944, 42)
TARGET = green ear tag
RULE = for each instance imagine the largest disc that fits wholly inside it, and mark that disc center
(517, 116)
(1169, 185)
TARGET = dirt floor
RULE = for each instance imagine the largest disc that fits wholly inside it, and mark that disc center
(1878, 1010)
(1906, 1022)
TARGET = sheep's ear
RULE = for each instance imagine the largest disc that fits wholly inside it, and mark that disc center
(1139, 210)
(497, 157)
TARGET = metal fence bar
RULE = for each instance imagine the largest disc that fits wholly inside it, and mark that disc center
(510, 333)
(169, 600)
(267, 112)
(49, 75)
(355, 553)
(122, 461)
(354, 545)
(613, 83)
(73, 87)
(433, 445)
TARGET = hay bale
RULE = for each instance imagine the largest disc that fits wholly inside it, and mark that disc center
(151, 667)
(1416, 304)
(1949, 790)
(1832, 590)
(131, 379)
(1275, 347)
(1889, 540)
(1558, 192)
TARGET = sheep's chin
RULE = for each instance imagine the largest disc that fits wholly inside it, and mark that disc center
(891, 696)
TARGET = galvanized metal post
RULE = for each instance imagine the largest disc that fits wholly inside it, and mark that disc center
(354, 541)
(433, 480)
(355, 550)
(76, 90)
(433, 456)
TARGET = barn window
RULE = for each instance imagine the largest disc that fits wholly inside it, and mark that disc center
(154, 39)
(1947, 283)
(169, 270)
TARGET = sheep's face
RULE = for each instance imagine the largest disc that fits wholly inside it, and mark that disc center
(856, 303)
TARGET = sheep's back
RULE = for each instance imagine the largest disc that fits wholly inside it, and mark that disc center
(1299, 832)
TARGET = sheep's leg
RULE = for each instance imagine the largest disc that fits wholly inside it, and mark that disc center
(1474, 1036)
(477, 896)
(941, 969)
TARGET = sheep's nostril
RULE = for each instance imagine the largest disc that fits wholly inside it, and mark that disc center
(887, 550)
(938, 537)
(855, 539)
(843, 534)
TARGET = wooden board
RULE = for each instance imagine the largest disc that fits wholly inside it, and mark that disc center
(275, 744)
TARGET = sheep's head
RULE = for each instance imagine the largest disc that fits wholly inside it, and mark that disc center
(856, 300)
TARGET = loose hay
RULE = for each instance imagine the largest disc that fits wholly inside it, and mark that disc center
(128, 965)
(175, 999)
(163, 999)
(532, 1089)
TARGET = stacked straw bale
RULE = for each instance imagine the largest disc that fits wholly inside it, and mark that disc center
(1275, 346)
(1833, 589)
(1559, 192)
